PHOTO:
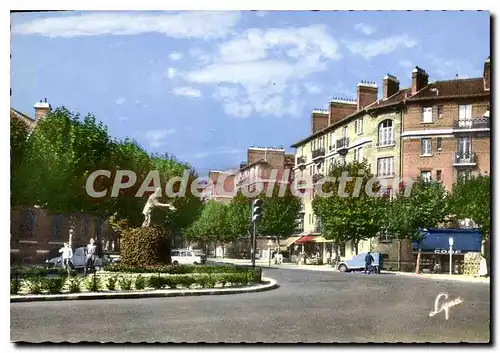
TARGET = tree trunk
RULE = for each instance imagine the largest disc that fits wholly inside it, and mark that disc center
(71, 222)
(355, 247)
(419, 254)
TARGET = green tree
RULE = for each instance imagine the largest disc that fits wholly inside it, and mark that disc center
(279, 213)
(18, 143)
(425, 207)
(471, 198)
(212, 224)
(238, 216)
(358, 215)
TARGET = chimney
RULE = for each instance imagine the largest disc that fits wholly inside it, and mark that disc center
(367, 94)
(319, 120)
(41, 109)
(340, 108)
(419, 79)
(391, 85)
(486, 74)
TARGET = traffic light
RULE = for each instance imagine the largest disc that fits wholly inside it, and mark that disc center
(257, 210)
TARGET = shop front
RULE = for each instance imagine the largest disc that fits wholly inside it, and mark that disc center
(436, 249)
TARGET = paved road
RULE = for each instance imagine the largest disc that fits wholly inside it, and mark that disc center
(308, 307)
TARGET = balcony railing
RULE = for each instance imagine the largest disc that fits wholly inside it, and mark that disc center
(317, 177)
(467, 158)
(386, 143)
(317, 153)
(475, 123)
(385, 174)
(301, 160)
(342, 143)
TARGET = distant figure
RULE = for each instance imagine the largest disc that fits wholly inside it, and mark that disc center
(67, 254)
(483, 270)
(90, 256)
(368, 261)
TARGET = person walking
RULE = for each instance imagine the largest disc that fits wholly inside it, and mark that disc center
(67, 254)
(90, 256)
(368, 261)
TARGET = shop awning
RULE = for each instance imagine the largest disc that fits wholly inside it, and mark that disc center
(306, 239)
(322, 240)
(288, 241)
(436, 241)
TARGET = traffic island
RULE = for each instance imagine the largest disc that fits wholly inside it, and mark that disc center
(267, 284)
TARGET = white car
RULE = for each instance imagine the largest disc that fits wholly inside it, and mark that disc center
(185, 257)
(77, 261)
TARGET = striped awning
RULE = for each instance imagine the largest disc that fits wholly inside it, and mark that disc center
(289, 241)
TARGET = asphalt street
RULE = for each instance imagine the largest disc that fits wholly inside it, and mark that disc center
(308, 307)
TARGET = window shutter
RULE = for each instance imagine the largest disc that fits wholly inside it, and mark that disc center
(422, 146)
(434, 113)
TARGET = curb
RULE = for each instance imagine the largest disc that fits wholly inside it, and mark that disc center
(456, 279)
(269, 284)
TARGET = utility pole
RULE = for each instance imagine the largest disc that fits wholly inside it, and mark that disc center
(256, 216)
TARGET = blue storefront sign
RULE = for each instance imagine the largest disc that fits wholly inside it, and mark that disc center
(436, 241)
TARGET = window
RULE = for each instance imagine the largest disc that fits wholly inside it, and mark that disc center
(465, 115)
(440, 111)
(427, 115)
(385, 133)
(425, 147)
(358, 126)
(358, 154)
(439, 141)
(385, 166)
(344, 131)
(57, 223)
(332, 141)
(463, 174)
(464, 146)
(310, 218)
(438, 175)
(426, 175)
(384, 236)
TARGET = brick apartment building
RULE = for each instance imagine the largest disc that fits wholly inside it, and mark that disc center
(446, 127)
(35, 233)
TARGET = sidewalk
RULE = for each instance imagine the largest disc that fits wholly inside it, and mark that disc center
(329, 268)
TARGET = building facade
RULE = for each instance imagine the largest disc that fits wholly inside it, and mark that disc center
(446, 128)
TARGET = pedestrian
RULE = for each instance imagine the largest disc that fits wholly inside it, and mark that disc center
(368, 261)
(67, 254)
(90, 255)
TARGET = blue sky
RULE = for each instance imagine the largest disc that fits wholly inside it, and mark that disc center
(206, 85)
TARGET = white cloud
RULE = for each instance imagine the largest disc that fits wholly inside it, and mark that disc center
(258, 71)
(156, 137)
(370, 49)
(312, 88)
(185, 24)
(443, 68)
(365, 28)
(120, 100)
(171, 72)
(405, 63)
(187, 92)
(175, 56)
(220, 151)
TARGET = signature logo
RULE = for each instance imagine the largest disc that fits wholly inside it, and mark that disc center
(445, 305)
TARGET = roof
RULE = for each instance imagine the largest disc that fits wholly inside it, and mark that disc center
(260, 161)
(396, 98)
(25, 118)
(468, 87)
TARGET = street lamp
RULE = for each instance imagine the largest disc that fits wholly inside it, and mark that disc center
(450, 241)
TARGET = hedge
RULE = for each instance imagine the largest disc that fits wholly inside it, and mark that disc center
(53, 285)
(145, 246)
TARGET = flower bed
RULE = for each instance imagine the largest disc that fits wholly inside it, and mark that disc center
(120, 278)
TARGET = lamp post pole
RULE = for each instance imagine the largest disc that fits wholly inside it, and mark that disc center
(450, 241)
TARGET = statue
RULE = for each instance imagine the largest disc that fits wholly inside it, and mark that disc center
(152, 203)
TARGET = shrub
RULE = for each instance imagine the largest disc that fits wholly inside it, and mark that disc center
(171, 282)
(203, 281)
(125, 283)
(15, 285)
(156, 282)
(111, 284)
(145, 246)
(186, 281)
(211, 281)
(140, 282)
(93, 284)
(35, 286)
(74, 285)
(54, 285)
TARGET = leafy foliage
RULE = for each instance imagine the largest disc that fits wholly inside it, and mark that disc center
(238, 215)
(18, 142)
(351, 218)
(145, 246)
(212, 224)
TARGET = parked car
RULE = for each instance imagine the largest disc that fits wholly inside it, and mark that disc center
(77, 261)
(357, 263)
(185, 257)
(203, 256)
